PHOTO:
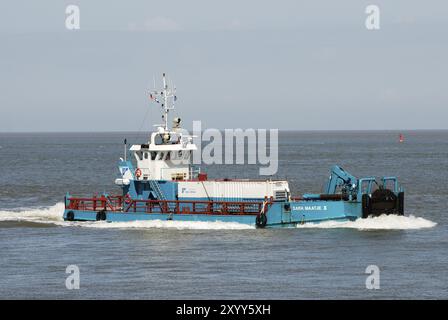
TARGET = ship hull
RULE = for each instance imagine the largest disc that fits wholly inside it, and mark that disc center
(280, 214)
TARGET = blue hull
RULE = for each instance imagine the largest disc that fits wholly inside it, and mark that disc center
(281, 214)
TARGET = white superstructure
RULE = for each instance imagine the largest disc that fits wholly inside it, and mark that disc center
(168, 153)
(168, 156)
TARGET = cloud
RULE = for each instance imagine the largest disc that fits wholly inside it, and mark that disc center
(155, 24)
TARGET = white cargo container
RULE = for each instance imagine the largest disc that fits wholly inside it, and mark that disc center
(232, 190)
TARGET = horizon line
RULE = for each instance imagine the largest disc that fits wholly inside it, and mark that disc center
(280, 130)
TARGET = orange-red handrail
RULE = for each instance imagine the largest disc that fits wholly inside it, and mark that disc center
(120, 204)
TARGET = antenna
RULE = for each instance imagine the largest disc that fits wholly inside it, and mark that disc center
(125, 147)
(166, 96)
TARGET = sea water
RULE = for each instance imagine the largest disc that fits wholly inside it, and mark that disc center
(178, 260)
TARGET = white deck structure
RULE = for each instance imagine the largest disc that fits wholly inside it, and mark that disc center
(168, 156)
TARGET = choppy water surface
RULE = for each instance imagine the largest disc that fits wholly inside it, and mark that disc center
(169, 259)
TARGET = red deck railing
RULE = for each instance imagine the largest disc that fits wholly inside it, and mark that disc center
(122, 204)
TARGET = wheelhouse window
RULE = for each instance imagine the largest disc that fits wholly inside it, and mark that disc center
(158, 139)
(139, 155)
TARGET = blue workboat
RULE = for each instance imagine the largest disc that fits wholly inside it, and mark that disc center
(160, 182)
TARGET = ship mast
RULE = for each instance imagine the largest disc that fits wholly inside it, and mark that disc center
(167, 96)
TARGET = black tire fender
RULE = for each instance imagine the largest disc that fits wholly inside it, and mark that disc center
(70, 216)
(401, 203)
(101, 215)
(366, 205)
(261, 220)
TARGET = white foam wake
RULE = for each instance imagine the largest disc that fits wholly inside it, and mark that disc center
(383, 222)
(41, 214)
(170, 224)
(53, 215)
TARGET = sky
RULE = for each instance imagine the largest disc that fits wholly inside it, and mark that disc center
(285, 64)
